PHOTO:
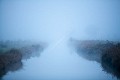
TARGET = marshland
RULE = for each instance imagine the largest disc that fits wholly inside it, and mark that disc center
(59, 40)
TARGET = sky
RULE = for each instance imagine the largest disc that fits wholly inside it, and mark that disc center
(57, 21)
(50, 20)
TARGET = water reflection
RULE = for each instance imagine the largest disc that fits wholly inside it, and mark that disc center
(57, 62)
(12, 53)
(104, 52)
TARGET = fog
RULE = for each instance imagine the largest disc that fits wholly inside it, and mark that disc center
(56, 21)
(50, 20)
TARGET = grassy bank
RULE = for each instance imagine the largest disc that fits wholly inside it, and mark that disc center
(105, 52)
(12, 52)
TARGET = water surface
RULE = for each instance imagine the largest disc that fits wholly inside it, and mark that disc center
(59, 62)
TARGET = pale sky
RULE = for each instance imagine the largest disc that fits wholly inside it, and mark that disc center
(49, 20)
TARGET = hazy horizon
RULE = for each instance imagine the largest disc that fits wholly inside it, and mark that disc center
(54, 22)
(50, 20)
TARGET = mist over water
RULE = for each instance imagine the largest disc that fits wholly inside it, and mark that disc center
(55, 23)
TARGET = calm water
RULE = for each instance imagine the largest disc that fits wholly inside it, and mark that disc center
(59, 62)
(47, 21)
